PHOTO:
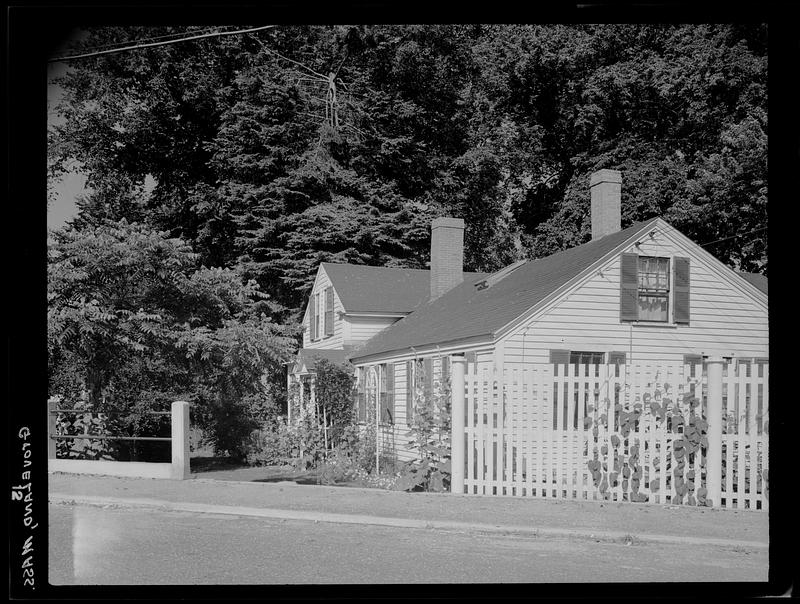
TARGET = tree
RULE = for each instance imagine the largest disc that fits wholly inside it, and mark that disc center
(681, 110)
(134, 322)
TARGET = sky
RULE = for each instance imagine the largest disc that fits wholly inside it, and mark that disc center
(73, 184)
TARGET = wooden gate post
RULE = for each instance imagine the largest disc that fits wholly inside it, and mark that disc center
(180, 440)
(457, 426)
(714, 410)
(52, 405)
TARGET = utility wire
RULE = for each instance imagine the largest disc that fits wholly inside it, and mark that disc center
(136, 46)
(733, 237)
(116, 45)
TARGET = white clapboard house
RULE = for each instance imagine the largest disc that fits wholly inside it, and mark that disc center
(643, 293)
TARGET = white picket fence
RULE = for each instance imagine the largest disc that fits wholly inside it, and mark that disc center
(560, 432)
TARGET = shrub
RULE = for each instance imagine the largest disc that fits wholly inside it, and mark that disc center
(271, 446)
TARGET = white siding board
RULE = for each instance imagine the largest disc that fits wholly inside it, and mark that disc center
(361, 329)
(336, 341)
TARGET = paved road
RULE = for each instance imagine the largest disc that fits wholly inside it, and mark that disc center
(102, 546)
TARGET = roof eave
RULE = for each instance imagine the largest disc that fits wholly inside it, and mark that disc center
(422, 350)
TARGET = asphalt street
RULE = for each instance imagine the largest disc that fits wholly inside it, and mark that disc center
(92, 545)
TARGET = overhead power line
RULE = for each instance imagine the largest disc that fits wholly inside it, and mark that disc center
(733, 237)
(115, 45)
(137, 46)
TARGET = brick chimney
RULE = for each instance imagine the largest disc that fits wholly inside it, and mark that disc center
(606, 188)
(447, 255)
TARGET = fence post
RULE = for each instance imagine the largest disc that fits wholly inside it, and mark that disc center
(714, 451)
(52, 405)
(457, 426)
(180, 440)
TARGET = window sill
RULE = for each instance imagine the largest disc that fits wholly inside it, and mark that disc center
(656, 324)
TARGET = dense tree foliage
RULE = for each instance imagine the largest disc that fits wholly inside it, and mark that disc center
(134, 323)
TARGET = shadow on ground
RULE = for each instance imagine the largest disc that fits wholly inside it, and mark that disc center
(225, 468)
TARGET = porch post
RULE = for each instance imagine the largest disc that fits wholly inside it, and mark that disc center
(289, 379)
(301, 411)
(312, 394)
(457, 425)
(714, 451)
(377, 420)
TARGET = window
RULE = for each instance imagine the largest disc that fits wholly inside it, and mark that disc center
(312, 318)
(317, 317)
(328, 312)
(387, 393)
(649, 284)
(653, 289)
(409, 391)
(361, 394)
(583, 359)
(578, 357)
(419, 374)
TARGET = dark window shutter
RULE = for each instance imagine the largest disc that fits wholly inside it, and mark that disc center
(312, 318)
(616, 358)
(409, 391)
(329, 311)
(629, 287)
(692, 359)
(428, 388)
(681, 286)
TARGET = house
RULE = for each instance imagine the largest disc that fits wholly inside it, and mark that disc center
(644, 293)
(348, 305)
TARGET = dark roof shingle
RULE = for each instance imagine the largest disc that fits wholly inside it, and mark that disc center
(308, 356)
(379, 289)
(757, 279)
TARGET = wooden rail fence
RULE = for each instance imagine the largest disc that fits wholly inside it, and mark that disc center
(178, 468)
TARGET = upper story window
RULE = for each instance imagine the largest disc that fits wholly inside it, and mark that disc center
(318, 318)
(654, 289)
(329, 317)
(312, 318)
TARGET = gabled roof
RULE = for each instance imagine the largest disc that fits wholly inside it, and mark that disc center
(482, 312)
(757, 279)
(378, 289)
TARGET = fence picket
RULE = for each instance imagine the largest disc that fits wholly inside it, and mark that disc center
(752, 438)
(765, 439)
(519, 422)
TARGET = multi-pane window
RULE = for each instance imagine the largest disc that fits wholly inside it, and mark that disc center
(580, 358)
(312, 319)
(328, 312)
(653, 288)
(387, 393)
(316, 317)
